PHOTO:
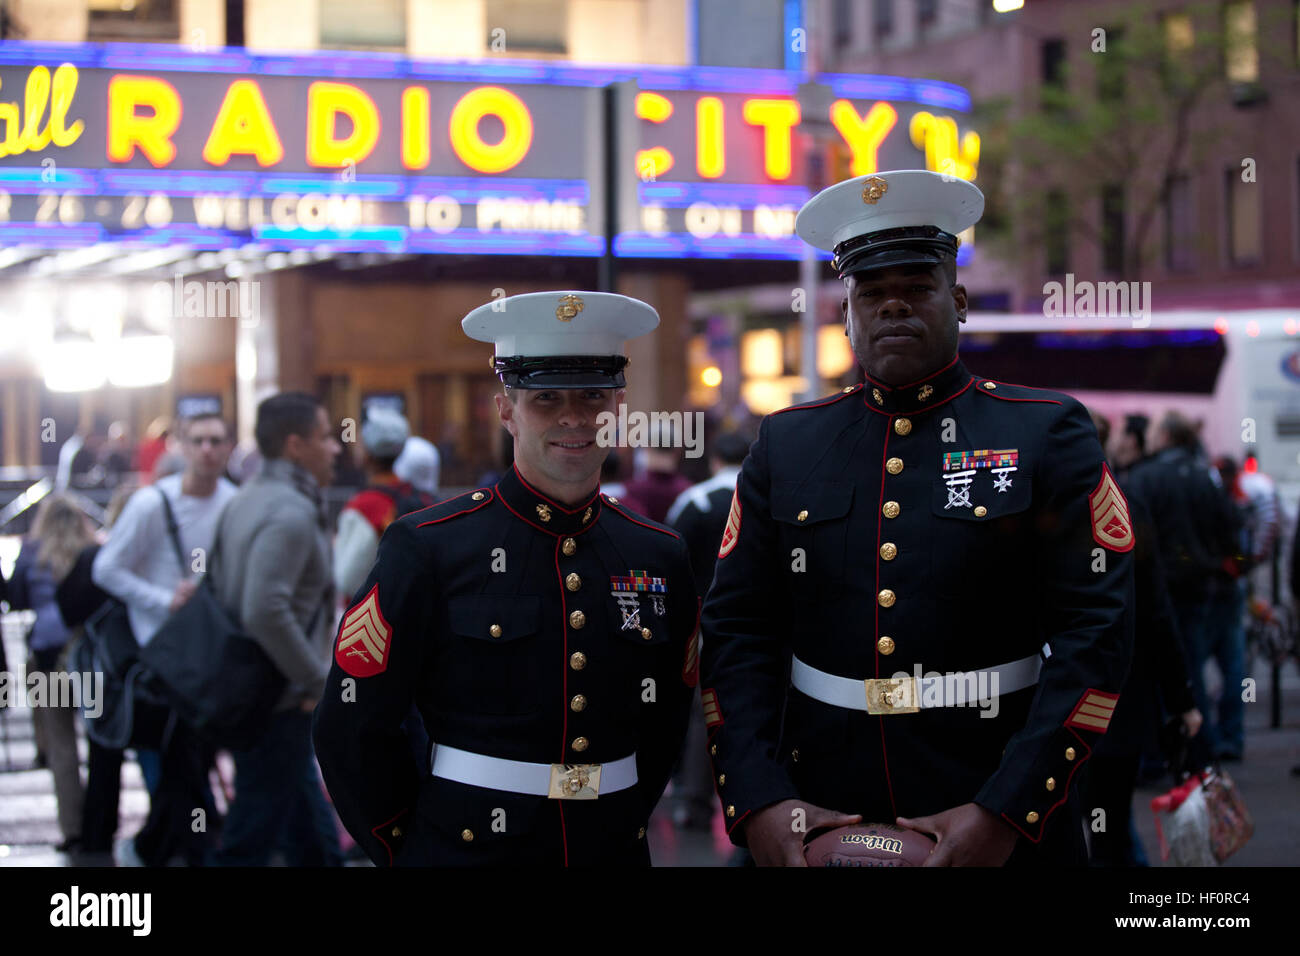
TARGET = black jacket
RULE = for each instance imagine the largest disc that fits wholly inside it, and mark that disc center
(1192, 517)
(496, 614)
(700, 515)
(852, 548)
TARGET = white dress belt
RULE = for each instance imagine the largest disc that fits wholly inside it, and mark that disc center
(907, 694)
(556, 781)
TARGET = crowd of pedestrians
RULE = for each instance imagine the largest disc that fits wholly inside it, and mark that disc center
(1209, 539)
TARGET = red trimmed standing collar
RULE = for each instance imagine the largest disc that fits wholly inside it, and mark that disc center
(935, 389)
(543, 513)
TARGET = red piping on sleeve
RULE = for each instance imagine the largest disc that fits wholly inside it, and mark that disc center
(375, 833)
(1065, 795)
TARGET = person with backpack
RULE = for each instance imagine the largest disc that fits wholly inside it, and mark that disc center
(372, 509)
(148, 563)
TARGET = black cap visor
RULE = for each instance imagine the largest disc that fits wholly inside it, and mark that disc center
(911, 245)
(562, 371)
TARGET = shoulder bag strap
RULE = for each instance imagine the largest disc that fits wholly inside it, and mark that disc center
(174, 532)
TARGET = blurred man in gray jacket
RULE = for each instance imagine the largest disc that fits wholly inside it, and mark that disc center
(272, 568)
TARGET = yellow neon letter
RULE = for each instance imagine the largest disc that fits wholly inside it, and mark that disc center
(325, 101)
(863, 136)
(710, 152)
(653, 162)
(653, 107)
(152, 134)
(38, 95)
(469, 145)
(65, 88)
(415, 127)
(243, 125)
(937, 135)
(777, 117)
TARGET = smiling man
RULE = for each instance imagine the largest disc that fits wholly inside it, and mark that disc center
(546, 634)
(916, 616)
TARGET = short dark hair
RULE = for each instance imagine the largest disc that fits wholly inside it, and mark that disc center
(203, 417)
(1102, 424)
(1136, 425)
(278, 417)
(730, 448)
(1178, 430)
(383, 462)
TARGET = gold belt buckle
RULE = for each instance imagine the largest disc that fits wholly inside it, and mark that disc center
(574, 781)
(895, 695)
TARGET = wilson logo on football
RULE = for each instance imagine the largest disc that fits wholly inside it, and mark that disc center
(364, 638)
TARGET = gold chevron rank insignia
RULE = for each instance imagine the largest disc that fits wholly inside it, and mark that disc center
(731, 533)
(712, 715)
(1111, 527)
(364, 638)
(1093, 711)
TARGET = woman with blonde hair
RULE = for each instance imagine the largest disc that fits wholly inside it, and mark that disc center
(60, 532)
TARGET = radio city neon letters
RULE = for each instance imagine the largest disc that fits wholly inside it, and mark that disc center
(145, 112)
(778, 117)
(22, 129)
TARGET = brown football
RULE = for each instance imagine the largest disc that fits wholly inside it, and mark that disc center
(868, 844)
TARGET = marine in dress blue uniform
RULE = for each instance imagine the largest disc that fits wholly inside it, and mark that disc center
(917, 612)
(550, 646)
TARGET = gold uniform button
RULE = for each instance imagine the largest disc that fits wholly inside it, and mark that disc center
(577, 660)
(640, 834)
(731, 811)
(794, 755)
(980, 511)
(889, 551)
(645, 634)
(573, 582)
(886, 598)
(578, 703)
(577, 619)
(713, 749)
(903, 426)
(885, 645)
(397, 831)
(477, 496)
(722, 779)
(1051, 783)
(891, 509)
(990, 385)
(467, 835)
(1069, 753)
(894, 466)
(495, 630)
(1031, 816)
(847, 389)
(580, 744)
(612, 500)
(801, 516)
(569, 547)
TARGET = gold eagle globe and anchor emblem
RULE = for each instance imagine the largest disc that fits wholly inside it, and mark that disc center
(873, 189)
(570, 305)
